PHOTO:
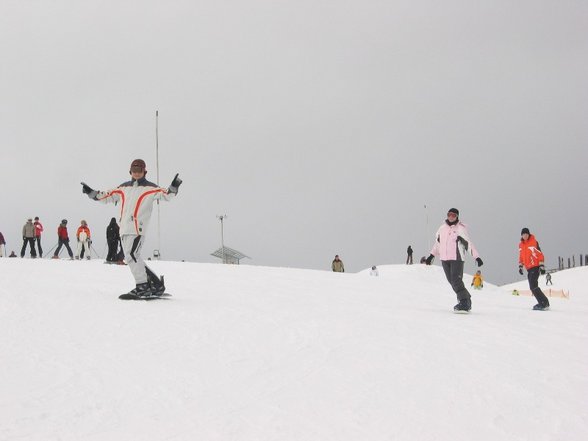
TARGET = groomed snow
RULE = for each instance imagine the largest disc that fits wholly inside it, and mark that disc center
(276, 354)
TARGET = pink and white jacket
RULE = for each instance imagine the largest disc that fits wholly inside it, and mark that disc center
(452, 242)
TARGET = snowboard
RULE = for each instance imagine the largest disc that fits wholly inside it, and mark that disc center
(129, 296)
(462, 312)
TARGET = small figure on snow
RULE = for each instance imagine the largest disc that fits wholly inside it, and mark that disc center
(374, 271)
(112, 239)
(28, 237)
(478, 280)
(137, 197)
(38, 232)
(12, 254)
(548, 279)
(2, 245)
(452, 242)
(84, 240)
(532, 258)
(337, 265)
(62, 239)
(409, 255)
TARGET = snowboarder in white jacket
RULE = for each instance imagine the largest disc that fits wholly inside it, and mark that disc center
(136, 198)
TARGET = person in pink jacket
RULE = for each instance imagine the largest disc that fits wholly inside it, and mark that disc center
(452, 243)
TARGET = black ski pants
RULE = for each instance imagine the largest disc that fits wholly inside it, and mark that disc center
(31, 241)
(38, 240)
(66, 243)
(112, 250)
(533, 277)
(454, 273)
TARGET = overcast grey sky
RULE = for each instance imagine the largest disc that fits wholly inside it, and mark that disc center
(319, 127)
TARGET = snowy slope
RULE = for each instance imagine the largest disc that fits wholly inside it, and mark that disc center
(253, 353)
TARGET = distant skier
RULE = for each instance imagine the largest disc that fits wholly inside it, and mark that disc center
(452, 242)
(62, 239)
(374, 271)
(137, 197)
(28, 237)
(548, 279)
(409, 255)
(478, 280)
(2, 245)
(531, 257)
(337, 265)
(84, 240)
(112, 239)
(38, 232)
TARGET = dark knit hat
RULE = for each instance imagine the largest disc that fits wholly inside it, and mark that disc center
(454, 210)
(525, 231)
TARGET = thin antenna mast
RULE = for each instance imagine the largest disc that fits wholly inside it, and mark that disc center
(157, 165)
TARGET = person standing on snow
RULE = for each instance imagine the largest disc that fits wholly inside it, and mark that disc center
(84, 241)
(531, 257)
(137, 197)
(62, 239)
(38, 232)
(409, 255)
(337, 265)
(112, 239)
(2, 245)
(452, 242)
(28, 237)
(478, 280)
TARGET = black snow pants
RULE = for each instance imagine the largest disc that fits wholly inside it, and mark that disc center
(454, 273)
(533, 276)
(31, 242)
(112, 250)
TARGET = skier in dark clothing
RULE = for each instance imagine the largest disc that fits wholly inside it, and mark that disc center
(112, 238)
(452, 242)
(409, 255)
(138, 196)
(2, 245)
(531, 257)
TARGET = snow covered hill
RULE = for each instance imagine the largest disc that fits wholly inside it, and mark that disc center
(254, 353)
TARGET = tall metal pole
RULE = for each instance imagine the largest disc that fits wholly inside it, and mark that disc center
(157, 165)
(222, 218)
(427, 227)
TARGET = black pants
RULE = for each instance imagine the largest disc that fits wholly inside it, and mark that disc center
(38, 240)
(31, 241)
(454, 273)
(409, 259)
(112, 250)
(61, 243)
(533, 276)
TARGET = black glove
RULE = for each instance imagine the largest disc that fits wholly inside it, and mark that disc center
(542, 269)
(175, 185)
(521, 270)
(429, 259)
(89, 191)
(479, 262)
(86, 188)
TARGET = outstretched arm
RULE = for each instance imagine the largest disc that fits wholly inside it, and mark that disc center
(175, 185)
(92, 194)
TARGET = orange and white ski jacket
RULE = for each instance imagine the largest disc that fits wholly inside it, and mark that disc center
(136, 198)
(530, 254)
